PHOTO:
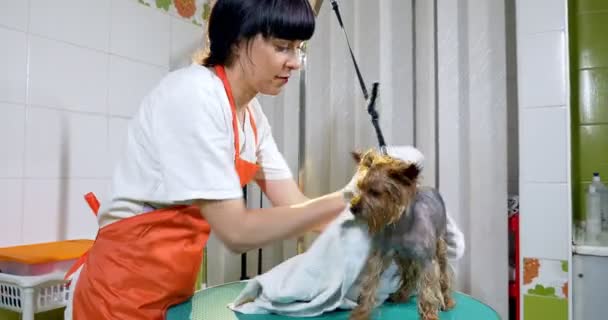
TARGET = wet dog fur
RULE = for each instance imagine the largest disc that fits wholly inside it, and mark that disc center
(407, 224)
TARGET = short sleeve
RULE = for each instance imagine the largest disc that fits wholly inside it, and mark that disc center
(272, 163)
(195, 146)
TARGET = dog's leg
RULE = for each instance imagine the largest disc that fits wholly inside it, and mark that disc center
(376, 263)
(429, 297)
(446, 277)
(409, 278)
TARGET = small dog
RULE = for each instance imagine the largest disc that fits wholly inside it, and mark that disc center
(408, 225)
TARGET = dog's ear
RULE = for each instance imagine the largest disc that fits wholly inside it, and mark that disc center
(356, 156)
(405, 172)
(365, 159)
(368, 158)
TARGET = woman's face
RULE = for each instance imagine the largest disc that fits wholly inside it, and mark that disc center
(269, 62)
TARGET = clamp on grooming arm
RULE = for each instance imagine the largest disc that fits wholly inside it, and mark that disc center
(371, 109)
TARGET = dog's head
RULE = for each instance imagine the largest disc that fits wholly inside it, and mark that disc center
(386, 187)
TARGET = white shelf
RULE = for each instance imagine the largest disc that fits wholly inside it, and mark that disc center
(590, 250)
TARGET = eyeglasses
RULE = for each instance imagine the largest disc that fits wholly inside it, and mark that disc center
(287, 47)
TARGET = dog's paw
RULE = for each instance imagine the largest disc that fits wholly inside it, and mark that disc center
(448, 304)
(399, 296)
(430, 316)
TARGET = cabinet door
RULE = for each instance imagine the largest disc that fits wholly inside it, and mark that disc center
(590, 292)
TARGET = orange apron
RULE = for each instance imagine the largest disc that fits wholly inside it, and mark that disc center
(140, 266)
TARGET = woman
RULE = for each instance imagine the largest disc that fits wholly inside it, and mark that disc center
(197, 139)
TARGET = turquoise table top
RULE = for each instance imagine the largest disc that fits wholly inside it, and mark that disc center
(211, 304)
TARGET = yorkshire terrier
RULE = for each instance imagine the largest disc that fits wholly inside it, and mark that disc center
(407, 224)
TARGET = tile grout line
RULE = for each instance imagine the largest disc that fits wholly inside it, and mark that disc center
(549, 106)
(26, 114)
(108, 80)
(98, 51)
(72, 111)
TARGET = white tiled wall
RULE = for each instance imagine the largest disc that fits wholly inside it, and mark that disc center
(544, 129)
(72, 73)
(12, 64)
(543, 145)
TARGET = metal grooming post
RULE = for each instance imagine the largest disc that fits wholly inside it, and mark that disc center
(302, 141)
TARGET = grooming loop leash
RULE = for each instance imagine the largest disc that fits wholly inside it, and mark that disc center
(371, 99)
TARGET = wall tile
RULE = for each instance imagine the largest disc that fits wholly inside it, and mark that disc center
(82, 22)
(90, 157)
(67, 77)
(45, 147)
(130, 81)
(591, 6)
(11, 196)
(55, 209)
(541, 308)
(13, 14)
(186, 39)
(544, 220)
(593, 96)
(545, 277)
(117, 138)
(13, 65)
(64, 144)
(12, 140)
(542, 70)
(81, 221)
(592, 46)
(140, 33)
(44, 210)
(543, 144)
(593, 153)
(540, 16)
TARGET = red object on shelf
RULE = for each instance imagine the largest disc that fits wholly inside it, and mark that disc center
(514, 285)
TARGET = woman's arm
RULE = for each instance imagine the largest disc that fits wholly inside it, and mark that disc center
(283, 192)
(242, 229)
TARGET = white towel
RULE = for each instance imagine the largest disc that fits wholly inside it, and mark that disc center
(324, 278)
(319, 280)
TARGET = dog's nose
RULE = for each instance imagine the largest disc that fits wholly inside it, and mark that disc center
(355, 209)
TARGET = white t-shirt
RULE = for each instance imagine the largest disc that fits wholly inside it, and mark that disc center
(180, 147)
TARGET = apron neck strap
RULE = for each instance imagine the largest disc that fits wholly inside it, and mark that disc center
(221, 72)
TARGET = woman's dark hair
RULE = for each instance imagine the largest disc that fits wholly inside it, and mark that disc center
(234, 20)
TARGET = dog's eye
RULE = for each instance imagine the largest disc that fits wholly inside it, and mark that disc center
(374, 193)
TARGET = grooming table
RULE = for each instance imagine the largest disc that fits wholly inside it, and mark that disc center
(211, 304)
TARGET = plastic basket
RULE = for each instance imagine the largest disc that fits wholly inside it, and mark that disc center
(33, 294)
(33, 276)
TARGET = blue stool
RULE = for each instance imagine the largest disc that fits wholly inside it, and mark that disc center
(211, 303)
